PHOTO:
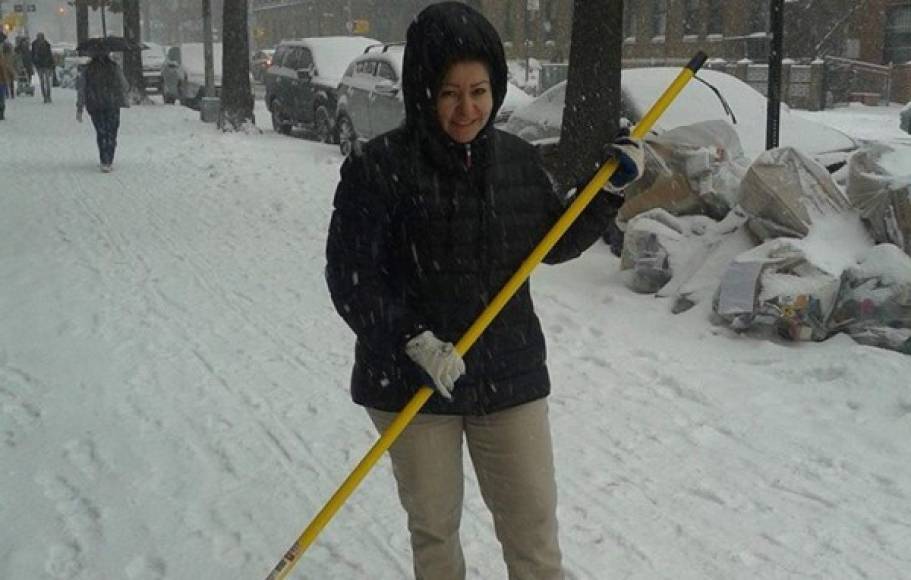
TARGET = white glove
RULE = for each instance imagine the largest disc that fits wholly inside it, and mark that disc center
(439, 359)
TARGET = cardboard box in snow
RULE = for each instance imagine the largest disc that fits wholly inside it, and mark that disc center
(784, 192)
(883, 198)
(874, 303)
(776, 286)
(693, 169)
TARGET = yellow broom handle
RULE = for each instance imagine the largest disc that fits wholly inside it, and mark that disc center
(283, 568)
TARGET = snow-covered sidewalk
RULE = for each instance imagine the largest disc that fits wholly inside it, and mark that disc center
(173, 390)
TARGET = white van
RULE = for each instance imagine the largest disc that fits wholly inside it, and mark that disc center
(183, 75)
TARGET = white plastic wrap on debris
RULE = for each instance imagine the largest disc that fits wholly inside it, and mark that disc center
(650, 246)
(874, 303)
(881, 190)
(776, 285)
(671, 255)
(693, 169)
(784, 192)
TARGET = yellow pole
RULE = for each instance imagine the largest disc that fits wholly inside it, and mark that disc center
(283, 568)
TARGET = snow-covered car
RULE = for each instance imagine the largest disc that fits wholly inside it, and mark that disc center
(302, 83)
(153, 59)
(370, 99)
(540, 121)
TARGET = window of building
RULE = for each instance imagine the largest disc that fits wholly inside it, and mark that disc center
(691, 18)
(714, 18)
(897, 47)
(659, 17)
(759, 16)
(630, 18)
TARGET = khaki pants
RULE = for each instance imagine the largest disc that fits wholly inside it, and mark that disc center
(513, 459)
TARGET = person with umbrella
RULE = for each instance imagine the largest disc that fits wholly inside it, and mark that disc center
(102, 90)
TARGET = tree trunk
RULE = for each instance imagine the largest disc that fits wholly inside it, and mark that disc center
(236, 95)
(592, 111)
(82, 23)
(144, 7)
(132, 59)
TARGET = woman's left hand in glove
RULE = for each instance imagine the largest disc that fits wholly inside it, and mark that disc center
(630, 155)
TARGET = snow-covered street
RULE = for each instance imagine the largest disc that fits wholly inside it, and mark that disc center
(174, 389)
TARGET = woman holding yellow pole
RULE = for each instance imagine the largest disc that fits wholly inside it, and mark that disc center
(430, 221)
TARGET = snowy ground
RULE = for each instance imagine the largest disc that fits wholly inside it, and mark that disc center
(173, 389)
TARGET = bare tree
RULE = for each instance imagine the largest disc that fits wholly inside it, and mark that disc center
(236, 95)
(592, 111)
(132, 59)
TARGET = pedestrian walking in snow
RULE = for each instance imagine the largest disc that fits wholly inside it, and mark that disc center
(430, 221)
(7, 76)
(43, 59)
(102, 90)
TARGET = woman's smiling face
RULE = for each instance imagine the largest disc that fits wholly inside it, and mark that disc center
(464, 101)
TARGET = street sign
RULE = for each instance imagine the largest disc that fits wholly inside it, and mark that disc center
(361, 26)
(23, 8)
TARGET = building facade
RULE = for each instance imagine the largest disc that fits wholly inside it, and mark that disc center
(873, 31)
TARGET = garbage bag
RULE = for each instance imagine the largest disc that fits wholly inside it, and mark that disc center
(884, 199)
(647, 247)
(692, 169)
(776, 286)
(874, 302)
(784, 192)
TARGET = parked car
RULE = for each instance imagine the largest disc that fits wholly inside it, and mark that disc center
(302, 83)
(370, 97)
(183, 75)
(540, 121)
(260, 61)
(153, 59)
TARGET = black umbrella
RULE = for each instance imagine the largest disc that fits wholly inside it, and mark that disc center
(106, 44)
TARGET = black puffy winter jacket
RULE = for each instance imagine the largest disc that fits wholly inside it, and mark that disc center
(425, 232)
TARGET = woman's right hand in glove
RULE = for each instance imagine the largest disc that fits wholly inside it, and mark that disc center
(439, 359)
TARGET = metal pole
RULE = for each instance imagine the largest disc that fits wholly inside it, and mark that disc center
(525, 41)
(773, 112)
(207, 47)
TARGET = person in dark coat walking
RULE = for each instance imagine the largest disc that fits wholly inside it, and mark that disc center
(43, 59)
(429, 222)
(102, 90)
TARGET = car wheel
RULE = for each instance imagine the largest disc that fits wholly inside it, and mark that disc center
(323, 123)
(347, 138)
(279, 123)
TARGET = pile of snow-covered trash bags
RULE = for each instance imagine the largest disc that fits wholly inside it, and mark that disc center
(776, 244)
